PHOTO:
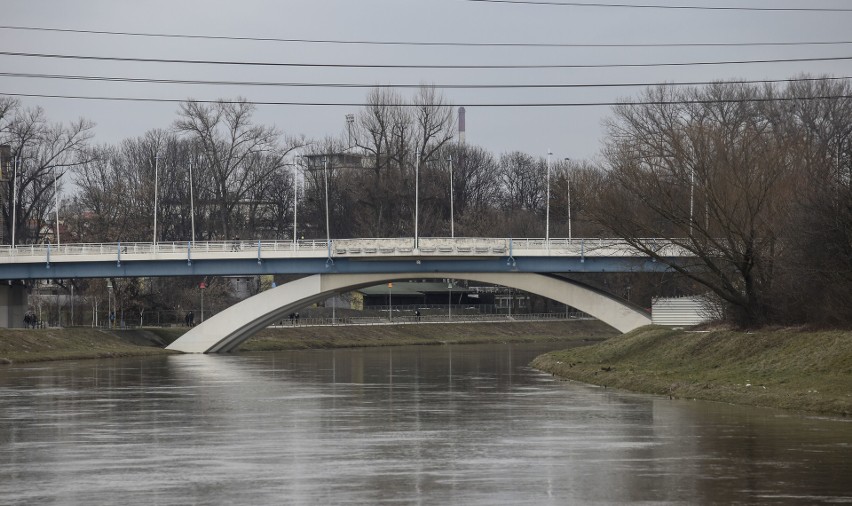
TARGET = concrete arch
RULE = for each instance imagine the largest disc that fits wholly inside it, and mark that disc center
(225, 331)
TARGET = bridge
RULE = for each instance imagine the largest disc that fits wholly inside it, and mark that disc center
(350, 256)
(342, 265)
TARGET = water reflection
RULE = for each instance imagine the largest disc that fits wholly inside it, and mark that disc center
(449, 424)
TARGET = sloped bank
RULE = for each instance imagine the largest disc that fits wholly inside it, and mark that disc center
(36, 345)
(790, 369)
(18, 345)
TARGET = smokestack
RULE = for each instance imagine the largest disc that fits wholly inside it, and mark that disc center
(461, 125)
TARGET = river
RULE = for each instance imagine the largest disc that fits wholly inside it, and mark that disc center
(409, 425)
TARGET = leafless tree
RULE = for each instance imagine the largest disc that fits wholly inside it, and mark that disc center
(45, 152)
(703, 169)
(236, 153)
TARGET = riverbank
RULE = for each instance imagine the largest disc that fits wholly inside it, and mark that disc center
(20, 346)
(36, 345)
(789, 369)
(360, 336)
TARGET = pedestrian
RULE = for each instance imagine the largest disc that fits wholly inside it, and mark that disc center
(27, 320)
(112, 319)
(191, 319)
(417, 315)
(297, 318)
(186, 320)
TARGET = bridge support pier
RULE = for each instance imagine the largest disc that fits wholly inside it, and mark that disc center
(13, 306)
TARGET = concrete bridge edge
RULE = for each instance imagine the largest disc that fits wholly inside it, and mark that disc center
(226, 330)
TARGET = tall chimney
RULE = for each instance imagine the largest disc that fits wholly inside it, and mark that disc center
(461, 125)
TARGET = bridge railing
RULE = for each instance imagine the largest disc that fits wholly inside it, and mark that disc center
(369, 247)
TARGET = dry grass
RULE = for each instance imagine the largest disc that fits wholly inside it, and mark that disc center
(791, 369)
(34, 345)
(422, 334)
(58, 344)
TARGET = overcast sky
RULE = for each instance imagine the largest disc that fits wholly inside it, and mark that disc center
(569, 131)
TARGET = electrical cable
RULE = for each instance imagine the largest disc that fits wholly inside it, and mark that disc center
(490, 105)
(665, 6)
(415, 66)
(409, 85)
(419, 43)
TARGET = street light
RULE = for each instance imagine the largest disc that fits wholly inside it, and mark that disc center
(547, 212)
(56, 194)
(327, 229)
(156, 194)
(295, 198)
(15, 199)
(109, 304)
(191, 204)
(691, 197)
(452, 220)
(417, 200)
(569, 204)
(450, 300)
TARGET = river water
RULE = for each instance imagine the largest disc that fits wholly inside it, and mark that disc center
(414, 425)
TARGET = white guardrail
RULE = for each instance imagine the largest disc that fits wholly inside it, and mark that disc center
(337, 248)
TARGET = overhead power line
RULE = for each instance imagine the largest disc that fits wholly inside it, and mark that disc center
(489, 105)
(665, 6)
(414, 66)
(408, 85)
(422, 43)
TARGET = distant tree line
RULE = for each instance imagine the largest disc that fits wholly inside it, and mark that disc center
(753, 181)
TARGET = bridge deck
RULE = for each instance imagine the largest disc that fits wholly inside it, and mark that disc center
(137, 259)
(337, 248)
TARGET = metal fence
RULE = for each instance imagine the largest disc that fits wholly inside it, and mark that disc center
(413, 320)
(174, 318)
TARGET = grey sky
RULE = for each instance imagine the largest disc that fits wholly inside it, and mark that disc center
(569, 132)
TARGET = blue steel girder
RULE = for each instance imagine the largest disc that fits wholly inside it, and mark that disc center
(251, 267)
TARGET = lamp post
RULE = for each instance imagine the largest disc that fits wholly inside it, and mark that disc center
(56, 204)
(417, 201)
(15, 199)
(569, 204)
(450, 300)
(201, 287)
(327, 229)
(191, 204)
(156, 194)
(547, 211)
(109, 304)
(295, 198)
(452, 218)
(691, 197)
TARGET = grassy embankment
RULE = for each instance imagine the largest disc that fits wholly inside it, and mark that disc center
(35, 345)
(17, 345)
(359, 336)
(790, 369)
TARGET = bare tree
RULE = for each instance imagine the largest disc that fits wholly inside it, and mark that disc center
(237, 154)
(708, 173)
(45, 152)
